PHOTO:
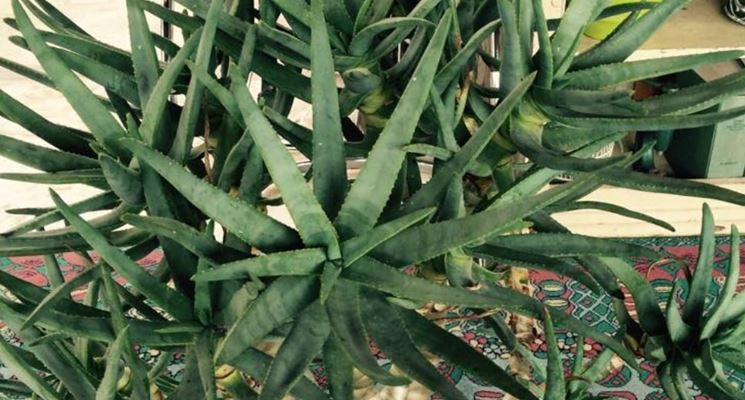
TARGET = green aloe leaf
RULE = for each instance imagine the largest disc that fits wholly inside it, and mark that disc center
(339, 369)
(60, 20)
(107, 389)
(281, 301)
(608, 75)
(90, 177)
(58, 242)
(456, 65)
(144, 57)
(611, 208)
(693, 311)
(298, 262)
(123, 181)
(11, 358)
(720, 308)
(393, 39)
(43, 158)
(619, 47)
(203, 349)
(362, 42)
(432, 338)
(171, 301)
(240, 218)
(386, 327)
(302, 345)
(314, 226)
(343, 307)
(555, 384)
(369, 193)
(571, 245)
(102, 124)
(514, 67)
(576, 18)
(329, 165)
(458, 165)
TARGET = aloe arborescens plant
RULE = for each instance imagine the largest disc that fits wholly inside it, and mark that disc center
(335, 279)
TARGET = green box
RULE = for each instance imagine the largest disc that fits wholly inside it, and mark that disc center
(711, 151)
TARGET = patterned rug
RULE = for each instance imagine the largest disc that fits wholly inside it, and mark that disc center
(623, 383)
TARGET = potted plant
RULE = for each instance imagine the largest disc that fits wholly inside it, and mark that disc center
(365, 259)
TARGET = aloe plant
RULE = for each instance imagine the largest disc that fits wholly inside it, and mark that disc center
(335, 280)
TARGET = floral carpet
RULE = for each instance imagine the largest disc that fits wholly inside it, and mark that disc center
(622, 383)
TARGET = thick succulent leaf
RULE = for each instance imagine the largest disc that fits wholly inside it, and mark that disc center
(203, 350)
(193, 240)
(379, 276)
(651, 318)
(457, 64)
(240, 218)
(101, 123)
(577, 97)
(693, 311)
(555, 384)
(14, 388)
(298, 262)
(281, 301)
(338, 368)
(343, 307)
(123, 181)
(369, 193)
(187, 125)
(514, 65)
(10, 358)
(41, 243)
(43, 158)
(611, 208)
(314, 226)
(726, 295)
(359, 246)
(329, 165)
(619, 47)
(362, 42)
(608, 75)
(90, 177)
(393, 39)
(58, 136)
(545, 57)
(107, 389)
(434, 339)
(172, 301)
(302, 345)
(571, 245)
(56, 17)
(517, 258)
(144, 57)
(388, 330)
(428, 195)
(256, 364)
(578, 15)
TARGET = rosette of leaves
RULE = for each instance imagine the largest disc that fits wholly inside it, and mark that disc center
(334, 280)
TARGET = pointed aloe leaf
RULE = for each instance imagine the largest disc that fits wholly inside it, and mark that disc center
(281, 301)
(329, 165)
(298, 262)
(338, 368)
(555, 384)
(62, 292)
(722, 308)
(312, 222)
(694, 98)
(329, 275)
(144, 58)
(679, 187)
(362, 42)
(101, 123)
(98, 202)
(571, 245)
(187, 125)
(651, 318)
(530, 259)
(693, 310)
(681, 333)
(43, 158)
(619, 47)
(171, 301)
(89, 177)
(374, 274)
(458, 165)
(107, 389)
(369, 194)
(203, 295)
(302, 345)
(123, 181)
(611, 208)
(11, 358)
(256, 364)
(92, 49)
(434, 339)
(514, 63)
(357, 247)
(34, 244)
(63, 138)
(343, 307)
(395, 38)
(388, 330)
(456, 65)
(423, 242)
(60, 19)
(609, 75)
(578, 15)
(154, 110)
(240, 218)
(203, 349)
